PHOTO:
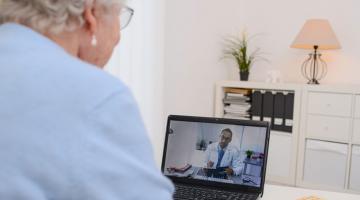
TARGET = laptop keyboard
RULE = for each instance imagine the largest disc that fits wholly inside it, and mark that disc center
(198, 193)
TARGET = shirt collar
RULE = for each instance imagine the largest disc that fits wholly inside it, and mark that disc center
(27, 37)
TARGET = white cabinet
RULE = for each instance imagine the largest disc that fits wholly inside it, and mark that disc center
(355, 169)
(357, 106)
(356, 132)
(325, 164)
(316, 154)
(329, 128)
(332, 104)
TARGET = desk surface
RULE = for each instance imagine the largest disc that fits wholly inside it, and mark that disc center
(275, 192)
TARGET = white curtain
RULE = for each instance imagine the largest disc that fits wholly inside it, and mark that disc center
(139, 62)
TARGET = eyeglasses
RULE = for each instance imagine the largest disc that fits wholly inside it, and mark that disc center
(126, 15)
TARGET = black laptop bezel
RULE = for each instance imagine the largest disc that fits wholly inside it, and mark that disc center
(232, 187)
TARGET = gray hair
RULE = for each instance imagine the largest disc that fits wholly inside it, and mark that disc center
(53, 16)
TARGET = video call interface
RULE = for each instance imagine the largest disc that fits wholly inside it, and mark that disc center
(232, 154)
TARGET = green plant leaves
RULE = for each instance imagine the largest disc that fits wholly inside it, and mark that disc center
(237, 49)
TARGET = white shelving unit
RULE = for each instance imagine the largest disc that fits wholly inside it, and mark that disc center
(323, 149)
(282, 164)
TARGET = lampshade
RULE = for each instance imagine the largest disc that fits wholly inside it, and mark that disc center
(316, 32)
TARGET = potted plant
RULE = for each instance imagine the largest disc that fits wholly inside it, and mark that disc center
(237, 48)
(249, 153)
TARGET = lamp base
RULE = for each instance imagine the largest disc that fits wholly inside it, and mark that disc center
(314, 68)
(313, 82)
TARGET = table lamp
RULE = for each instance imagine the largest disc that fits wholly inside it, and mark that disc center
(316, 34)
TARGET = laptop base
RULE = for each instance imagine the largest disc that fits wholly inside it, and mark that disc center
(188, 192)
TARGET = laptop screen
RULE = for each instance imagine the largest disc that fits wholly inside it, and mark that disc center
(215, 152)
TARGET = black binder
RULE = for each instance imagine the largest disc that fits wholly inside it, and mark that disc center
(289, 112)
(256, 105)
(279, 112)
(268, 103)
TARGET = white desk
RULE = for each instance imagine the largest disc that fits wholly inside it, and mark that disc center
(275, 192)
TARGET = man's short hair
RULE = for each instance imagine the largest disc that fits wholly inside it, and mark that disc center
(226, 130)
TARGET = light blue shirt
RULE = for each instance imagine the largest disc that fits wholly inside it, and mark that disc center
(68, 130)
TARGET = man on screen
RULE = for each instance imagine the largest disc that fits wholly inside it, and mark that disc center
(222, 159)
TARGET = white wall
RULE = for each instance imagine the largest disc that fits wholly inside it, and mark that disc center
(139, 62)
(193, 44)
(193, 31)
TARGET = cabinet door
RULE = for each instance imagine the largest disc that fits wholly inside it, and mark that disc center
(328, 128)
(357, 106)
(280, 154)
(355, 169)
(325, 163)
(333, 104)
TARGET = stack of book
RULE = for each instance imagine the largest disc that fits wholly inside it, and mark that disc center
(237, 103)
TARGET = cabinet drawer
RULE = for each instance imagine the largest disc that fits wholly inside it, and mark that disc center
(329, 104)
(325, 163)
(328, 128)
(357, 106)
(356, 132)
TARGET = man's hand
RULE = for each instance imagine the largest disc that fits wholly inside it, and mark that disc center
(229, 171)
(210, 164)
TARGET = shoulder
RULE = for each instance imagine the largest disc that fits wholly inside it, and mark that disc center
(93, 75)
(213, 146)
(91, 85)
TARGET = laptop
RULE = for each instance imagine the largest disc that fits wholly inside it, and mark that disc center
(215, 158)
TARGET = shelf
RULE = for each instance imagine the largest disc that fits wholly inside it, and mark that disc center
(283, 144)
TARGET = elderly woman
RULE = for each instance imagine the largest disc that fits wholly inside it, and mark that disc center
(68, 130)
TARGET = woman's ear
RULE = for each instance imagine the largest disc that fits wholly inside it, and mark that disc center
(90, 19)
